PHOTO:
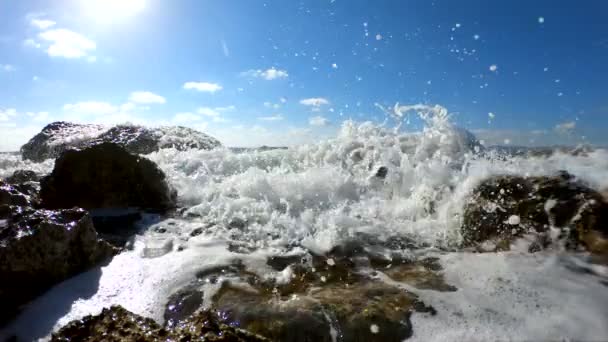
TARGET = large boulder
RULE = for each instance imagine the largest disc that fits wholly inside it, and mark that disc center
(117, 324)
(504, 207)
(58, 137)
(106, 176)
(39, 248)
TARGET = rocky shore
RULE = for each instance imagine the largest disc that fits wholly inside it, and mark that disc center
(362, 290)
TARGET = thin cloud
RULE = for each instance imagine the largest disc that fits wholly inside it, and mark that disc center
(268, 74)
(206, 111)
(565, 127)
(7, 68)
(146, 97)
(277, 117)
(91, 108)
(42, 24)
(203, 87)
(7, 114)
(318, 121)
(185, 118)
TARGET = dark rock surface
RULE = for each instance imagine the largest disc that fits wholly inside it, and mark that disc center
(503, 207)
(58, 137)
(22, 176)
(117, 324)
(39, 248)
(106, 176)
(10, 195)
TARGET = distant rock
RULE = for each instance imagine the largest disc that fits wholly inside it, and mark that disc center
(504, 207)
(22, 176)
(117, 324)
(106, 176)
(40, 248)
(58, 137)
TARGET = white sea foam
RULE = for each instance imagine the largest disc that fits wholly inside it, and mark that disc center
(318, 195)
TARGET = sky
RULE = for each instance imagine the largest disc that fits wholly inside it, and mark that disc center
(283, 72)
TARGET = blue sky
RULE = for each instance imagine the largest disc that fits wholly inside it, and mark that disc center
(285, 72)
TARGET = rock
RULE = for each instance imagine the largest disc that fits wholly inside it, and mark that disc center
(39, 248)
(315, 313)
(22, 176)
(504, 207)
(117, 324)
(58, 137)
(106, 176)
(9, 195)
(381, 172)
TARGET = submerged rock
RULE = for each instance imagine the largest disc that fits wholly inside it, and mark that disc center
(336, 296)
(117, 324)
(106, 176)
(504, 207)
(58, 137)
(39, 248)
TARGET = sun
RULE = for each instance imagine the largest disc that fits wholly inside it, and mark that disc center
(112, 10)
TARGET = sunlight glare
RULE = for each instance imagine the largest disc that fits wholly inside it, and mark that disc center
(110, 10)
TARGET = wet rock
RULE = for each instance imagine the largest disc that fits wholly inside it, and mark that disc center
(117, 324)
(22, 176)
(182, 305)
(106, 176)
(9, 195)
(316, 297)
(349, 312)
(39, 248)
(58, 137)
(504, 207)
(420, 274)
(381, 172)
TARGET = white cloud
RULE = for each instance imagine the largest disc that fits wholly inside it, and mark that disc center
(315, 102)
(277, 117)
(65, 43)
(42, 24)
(203, 86)
(7, 114)
(32, 43)
(91, 108)
(318, 121)
(7, 67)
(272, 105)
(146, 97)
(565, 127)
(186, 117)
(208, 111)
(268, 74)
